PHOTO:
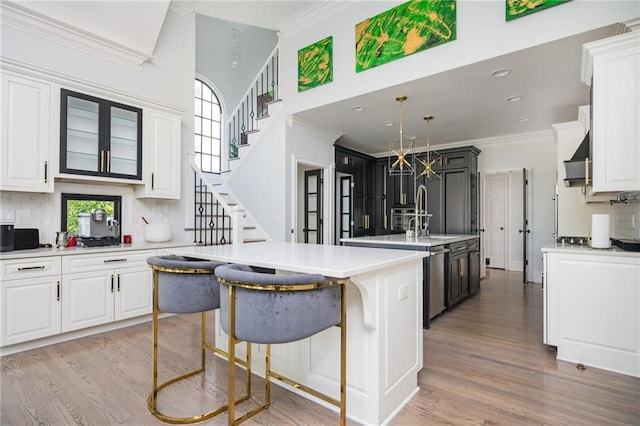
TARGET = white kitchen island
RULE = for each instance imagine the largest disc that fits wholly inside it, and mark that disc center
(384, 315)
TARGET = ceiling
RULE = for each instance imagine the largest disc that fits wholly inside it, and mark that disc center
(467, 103)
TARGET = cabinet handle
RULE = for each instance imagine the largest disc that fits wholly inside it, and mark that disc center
(115, 260)
(586, 171)
(27, 268)
(46, 172)
(385, 221)
(101, 161)
(111, 283)
(108, 161)
(58, 291)
(153, 181)
(118, 283)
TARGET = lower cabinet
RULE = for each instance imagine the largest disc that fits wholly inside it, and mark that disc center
(463, 271)
(474, 267)
(30, 299)
(43, 297)
(591, 309)
(98, 289)
(458, 280)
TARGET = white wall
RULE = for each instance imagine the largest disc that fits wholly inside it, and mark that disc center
(310, 147)
(537, 153)
(214, 49)
(258, 179)
(482, 34)
(167, 79)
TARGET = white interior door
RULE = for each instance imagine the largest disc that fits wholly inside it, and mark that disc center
(495, 207)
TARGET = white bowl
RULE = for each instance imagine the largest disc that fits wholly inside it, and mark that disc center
(157, 232)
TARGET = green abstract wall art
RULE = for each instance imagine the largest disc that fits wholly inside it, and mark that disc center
(315, 64)
(519, 8)
(404, 30)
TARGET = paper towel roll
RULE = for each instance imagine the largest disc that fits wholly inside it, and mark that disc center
(600, 237)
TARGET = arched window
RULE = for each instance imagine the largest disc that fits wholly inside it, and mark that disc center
(207, 128)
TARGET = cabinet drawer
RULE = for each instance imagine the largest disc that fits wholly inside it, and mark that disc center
(457, 248)
(30, 268)
(472, 245)
(96, 262)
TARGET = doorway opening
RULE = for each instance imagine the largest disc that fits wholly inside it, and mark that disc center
(505, 221)
(312, 209)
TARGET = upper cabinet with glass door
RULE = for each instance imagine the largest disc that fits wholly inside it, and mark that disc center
(99, 137)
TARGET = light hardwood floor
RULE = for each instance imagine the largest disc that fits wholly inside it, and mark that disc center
(484, 364)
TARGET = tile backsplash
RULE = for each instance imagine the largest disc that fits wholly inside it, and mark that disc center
(42, 211)
(627, 217)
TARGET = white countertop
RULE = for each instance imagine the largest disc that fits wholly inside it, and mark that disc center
(586, 250)
(329, 260)
(402, 240)
(70, 251)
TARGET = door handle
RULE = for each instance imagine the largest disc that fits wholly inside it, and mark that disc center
(520, 231)
(502, 228)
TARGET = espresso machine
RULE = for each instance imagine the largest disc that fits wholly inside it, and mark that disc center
(96, 229)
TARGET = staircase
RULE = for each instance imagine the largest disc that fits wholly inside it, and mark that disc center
(218, 218)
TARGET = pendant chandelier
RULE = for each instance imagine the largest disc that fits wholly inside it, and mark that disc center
(400, 148)
(430, 157)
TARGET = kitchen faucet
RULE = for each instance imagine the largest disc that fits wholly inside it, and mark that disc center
(422, 226)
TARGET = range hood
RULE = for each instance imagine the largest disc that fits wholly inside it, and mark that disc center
(578, 170)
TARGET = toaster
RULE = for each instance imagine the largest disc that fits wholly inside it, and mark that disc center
(26, 238)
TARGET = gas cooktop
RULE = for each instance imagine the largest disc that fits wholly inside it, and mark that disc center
(576, 241)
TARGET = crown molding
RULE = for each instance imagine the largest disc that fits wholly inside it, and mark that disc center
(312, 128)
(318, 12)
(184, 8)
(111, 93)
(34, 23)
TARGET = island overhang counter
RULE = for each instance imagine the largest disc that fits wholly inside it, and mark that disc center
(384, 315)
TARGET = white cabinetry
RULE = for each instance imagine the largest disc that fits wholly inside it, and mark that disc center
(614, 64)
(25, 163)
(592, 309)
(100, 288)
(161, 166)
(30, 299)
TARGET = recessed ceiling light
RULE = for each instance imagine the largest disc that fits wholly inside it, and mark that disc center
(387, 124)
(357, 108)
(500, 72)
(523, 119)
(514, 98)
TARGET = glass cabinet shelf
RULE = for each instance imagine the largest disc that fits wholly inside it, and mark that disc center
(99, 137)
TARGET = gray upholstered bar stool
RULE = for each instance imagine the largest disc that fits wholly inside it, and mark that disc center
(182, 285)
(266, 308)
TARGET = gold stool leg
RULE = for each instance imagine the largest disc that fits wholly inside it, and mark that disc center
(152, 399)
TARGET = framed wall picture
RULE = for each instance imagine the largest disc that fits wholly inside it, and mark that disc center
(315, 64)
(404, 30)
(519, 8)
